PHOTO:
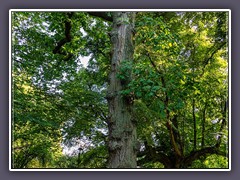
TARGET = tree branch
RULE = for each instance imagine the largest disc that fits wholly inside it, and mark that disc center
(66, 39)
(214, 51)
(153, 64)
(168, 124)
(173, 140)
(151, 154)
(197, 154)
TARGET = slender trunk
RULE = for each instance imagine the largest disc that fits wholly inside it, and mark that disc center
(183, 134)
(223, 124)
(122, 130)
(194, 126)
(203, 126)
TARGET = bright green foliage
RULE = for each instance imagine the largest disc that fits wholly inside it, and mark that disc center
(36, 125)
(212, 161)
(179, 85)
(176, 66)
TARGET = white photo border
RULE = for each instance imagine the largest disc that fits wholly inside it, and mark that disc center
(114, 10)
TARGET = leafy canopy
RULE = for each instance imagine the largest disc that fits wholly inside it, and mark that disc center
(179, 84)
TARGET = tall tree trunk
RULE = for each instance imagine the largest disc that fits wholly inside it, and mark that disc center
(122, 130)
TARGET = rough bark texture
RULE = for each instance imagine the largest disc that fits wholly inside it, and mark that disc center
(122, 130)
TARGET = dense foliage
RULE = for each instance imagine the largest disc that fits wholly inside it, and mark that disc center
(178, 87)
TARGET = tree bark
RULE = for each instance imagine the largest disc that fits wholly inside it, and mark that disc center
(121, 125)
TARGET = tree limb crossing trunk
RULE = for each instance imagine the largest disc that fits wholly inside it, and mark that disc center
(122, 130)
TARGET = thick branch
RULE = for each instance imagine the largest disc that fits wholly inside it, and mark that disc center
(151, 154)
(66, 39)
(102, 15)
(158, 157)
(205, 151)
(173, 140)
